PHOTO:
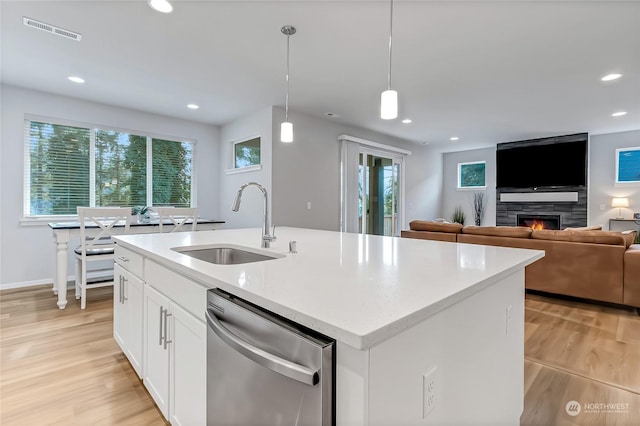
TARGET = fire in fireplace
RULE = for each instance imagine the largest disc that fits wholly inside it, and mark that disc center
(539, 221)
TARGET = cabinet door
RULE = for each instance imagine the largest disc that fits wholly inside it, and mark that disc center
(188, 369)
(134, 305)
(120, 327)
(156, 354)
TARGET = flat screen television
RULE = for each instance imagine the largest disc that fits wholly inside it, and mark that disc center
(533, 165)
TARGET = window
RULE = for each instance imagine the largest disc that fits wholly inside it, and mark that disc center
(472, 175)
(628, 165)
(246, 153)
(80, 165)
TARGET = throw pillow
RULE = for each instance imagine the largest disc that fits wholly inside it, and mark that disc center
(585, 228)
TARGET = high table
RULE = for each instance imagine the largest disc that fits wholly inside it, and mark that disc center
(63, 231)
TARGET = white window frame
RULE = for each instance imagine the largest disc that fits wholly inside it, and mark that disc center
(626, 182)
(472, 188)
(26, 193)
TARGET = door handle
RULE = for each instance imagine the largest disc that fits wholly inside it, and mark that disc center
(122, 293)
(166, 328)
(161, 314)
(272, 362)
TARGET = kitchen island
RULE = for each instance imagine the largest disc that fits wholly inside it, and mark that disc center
(427, 332)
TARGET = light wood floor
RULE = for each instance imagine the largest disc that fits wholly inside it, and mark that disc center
(580, 352)
(64, 368)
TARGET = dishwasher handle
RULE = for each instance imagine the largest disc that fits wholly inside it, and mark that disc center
(272, 362)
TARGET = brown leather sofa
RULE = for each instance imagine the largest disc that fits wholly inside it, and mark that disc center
(597, 265)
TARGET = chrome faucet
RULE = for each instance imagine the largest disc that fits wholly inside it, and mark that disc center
(266, 238)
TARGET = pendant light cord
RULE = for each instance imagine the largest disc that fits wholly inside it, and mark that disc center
(286, 102)
(390, 44)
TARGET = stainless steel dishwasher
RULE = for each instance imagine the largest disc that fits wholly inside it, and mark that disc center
(265, 370)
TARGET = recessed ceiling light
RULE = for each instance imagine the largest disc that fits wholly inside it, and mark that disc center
(161, 5)
(619, 114)
(610, 77)
(406, 121)
(76, 79)
(454, 138)
(193, 106)
(331, 114)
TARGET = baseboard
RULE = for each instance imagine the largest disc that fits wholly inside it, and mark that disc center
(7, 286)
(70, 281)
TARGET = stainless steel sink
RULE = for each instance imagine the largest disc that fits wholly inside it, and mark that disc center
(225, 255)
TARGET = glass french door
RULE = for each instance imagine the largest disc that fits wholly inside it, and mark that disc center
(378, 193)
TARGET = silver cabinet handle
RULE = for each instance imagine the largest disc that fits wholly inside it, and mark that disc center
(124, 259)
(120, 288)
(124, 289)
(161, 336)
(166, 328)
(272, 362)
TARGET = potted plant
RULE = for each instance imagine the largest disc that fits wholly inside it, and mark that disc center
(458, 215)
(142, 212)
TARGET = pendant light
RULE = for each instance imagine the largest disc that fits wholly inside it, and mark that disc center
(286, 127)
(389, 98)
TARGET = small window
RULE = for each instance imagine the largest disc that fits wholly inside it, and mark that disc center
(628, 165)
(472, 175)
(246, 153)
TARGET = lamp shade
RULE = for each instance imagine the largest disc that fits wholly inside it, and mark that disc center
(389, 104)
(620, 202)
(286, 132)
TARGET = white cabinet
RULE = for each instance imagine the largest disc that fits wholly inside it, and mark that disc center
(188, 366)
(156, 345)
(128, 315)
(175, 359)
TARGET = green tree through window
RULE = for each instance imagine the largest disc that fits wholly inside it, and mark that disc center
(60, 169)
(171, 173)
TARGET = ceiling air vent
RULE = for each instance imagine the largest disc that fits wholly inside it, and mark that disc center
(51, 29)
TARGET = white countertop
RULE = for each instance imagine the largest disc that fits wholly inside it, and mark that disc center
(356, 289)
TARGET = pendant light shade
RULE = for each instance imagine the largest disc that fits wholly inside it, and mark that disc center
(389, 104)
(286, 131)
(389, 98)
(286, 127)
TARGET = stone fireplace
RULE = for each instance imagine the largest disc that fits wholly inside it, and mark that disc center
(538, 221)
(571, 213)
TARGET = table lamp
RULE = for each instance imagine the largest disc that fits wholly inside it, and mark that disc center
(620, 202)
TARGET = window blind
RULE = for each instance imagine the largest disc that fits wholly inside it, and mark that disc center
(56, 168)
(69, 164)
(171, 172)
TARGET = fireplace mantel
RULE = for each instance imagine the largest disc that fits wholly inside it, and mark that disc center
(539, 197)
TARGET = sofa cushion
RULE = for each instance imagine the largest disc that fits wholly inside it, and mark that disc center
(425, 225)
(498, 231)
(595, 237)
(428, 235)
(585, 228)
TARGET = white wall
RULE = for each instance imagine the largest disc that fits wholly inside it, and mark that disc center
(308, 170)
(250, 213)
(602, 175)
(28, 250)
(452, 196)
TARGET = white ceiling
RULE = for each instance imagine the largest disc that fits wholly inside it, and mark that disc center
(487, 72)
